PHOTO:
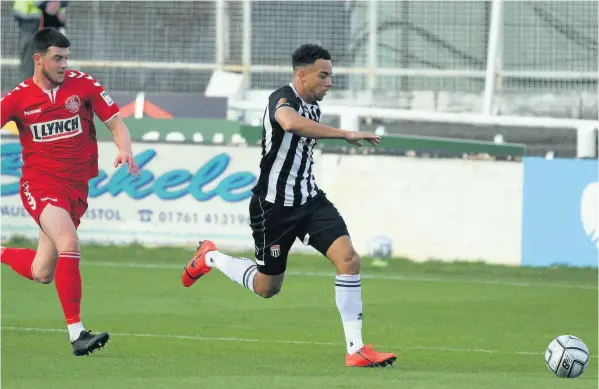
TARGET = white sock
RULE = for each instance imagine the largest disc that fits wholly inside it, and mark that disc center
(75, 330)
(241, 270)
(348, 296)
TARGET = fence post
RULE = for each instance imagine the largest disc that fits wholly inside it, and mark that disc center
(220, 33)
(492, 48)
(372, 47)
(246, 55)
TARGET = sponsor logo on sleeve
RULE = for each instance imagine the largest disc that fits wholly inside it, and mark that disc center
(107, 98)
(281, 102)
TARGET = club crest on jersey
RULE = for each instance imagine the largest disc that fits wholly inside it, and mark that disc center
(275, 250)
(56, 129)
(73, 103)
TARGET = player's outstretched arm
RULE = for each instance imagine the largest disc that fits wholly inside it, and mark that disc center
(290, 121)
(122, 139)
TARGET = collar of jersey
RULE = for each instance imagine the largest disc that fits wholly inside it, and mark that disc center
(297, 94)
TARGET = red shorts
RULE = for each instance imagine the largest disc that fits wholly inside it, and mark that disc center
(37, 193)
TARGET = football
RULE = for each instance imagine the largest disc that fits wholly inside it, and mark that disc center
(567, 356)
(380, 249)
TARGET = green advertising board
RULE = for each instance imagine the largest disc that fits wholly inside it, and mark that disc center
(218, 131)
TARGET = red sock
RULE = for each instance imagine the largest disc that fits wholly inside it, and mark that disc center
(68, 285)
(20, 260)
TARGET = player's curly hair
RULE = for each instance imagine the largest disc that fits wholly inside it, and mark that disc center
(47, 37)
(307, 54)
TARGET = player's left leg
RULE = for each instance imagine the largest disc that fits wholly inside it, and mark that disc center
(327, 232)
(61, 227)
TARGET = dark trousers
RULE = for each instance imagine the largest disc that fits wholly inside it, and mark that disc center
(26, 31)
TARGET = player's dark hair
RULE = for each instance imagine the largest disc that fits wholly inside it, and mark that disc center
(308, 54)
(46, 38)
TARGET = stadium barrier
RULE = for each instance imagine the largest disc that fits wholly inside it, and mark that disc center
(349, 116)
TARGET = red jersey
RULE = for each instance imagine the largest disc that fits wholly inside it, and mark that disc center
(56, 127)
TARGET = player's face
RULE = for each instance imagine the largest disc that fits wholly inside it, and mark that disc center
(54, 64)
(318, 78)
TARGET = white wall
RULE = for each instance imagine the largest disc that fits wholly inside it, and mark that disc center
(430, 208)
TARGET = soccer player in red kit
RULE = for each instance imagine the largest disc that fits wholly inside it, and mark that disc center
(54, 113)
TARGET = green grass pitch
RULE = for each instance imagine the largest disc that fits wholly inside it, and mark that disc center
(453, 326)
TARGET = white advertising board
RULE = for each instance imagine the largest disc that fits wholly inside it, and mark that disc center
(429, 208)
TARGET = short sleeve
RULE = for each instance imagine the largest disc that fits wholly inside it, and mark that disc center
(284, 97)
(101, 102)
(8, 109)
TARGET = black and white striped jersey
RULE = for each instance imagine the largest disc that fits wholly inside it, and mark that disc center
(286, 176)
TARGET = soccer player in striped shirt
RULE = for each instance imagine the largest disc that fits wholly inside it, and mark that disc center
(287, 204)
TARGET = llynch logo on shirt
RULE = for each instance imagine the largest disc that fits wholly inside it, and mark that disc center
(57, 129)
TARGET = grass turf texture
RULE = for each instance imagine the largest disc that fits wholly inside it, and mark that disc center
(453, 325)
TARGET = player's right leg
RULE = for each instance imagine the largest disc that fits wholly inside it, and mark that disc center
(22, 260)
(35, 265)
(240, 270)
(273, 229)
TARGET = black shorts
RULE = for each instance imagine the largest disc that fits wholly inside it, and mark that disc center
(275, 228)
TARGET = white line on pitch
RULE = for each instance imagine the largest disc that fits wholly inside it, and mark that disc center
(364, 276)
(304, 342)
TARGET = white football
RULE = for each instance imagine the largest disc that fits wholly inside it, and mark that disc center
(380, 247)
(567, 356)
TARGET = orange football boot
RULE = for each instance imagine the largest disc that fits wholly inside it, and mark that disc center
(197, 266)
(367, 357)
